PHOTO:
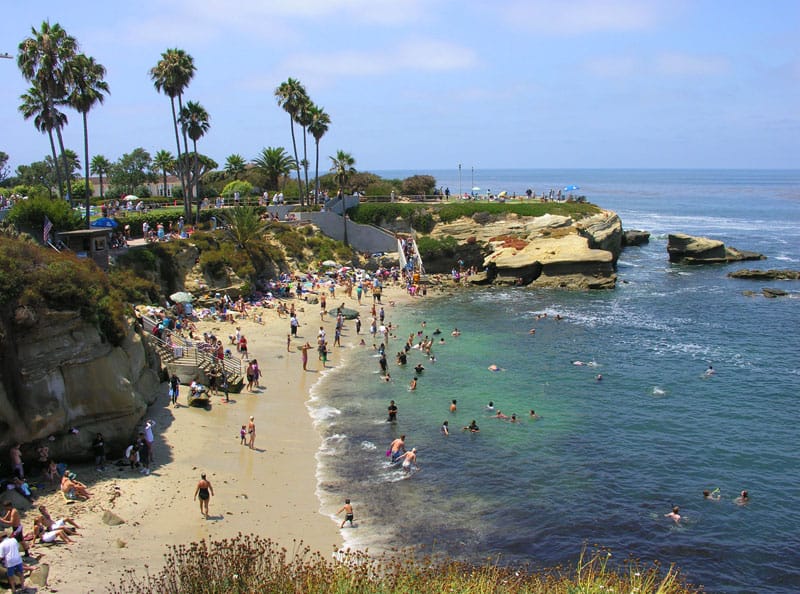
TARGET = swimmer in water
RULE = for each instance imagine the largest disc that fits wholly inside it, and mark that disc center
(513, 418)
(578, 363)
(453, 406)
(445, 428)
(413, 384)
(674, 515)
(500, 415)
(710, 371)
(711, 495)
(599, 377)
(490, 406)
(419, 368)
(532, 331)
(494, 367)
(455, 332)
(472, 427)
(742, 499)
(534, 415)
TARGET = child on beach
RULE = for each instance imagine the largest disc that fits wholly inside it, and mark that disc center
(243, 434)
(348, 510)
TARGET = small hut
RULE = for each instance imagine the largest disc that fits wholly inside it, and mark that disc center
(88, 243)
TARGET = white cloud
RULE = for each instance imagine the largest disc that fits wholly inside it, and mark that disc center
(612, 66)
(578, 17)
(421, 55)
(673, 65)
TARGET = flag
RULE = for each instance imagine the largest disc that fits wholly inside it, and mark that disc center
(48, 226)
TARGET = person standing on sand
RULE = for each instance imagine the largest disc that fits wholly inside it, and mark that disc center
(16, 461)
(204, 490)
(251, 432)
(304, 350)
(9, 552)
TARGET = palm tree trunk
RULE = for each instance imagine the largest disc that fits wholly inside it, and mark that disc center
(64, 161)
(197, 221)
(186, 204)
(305, 159)
(86, 166)
(316, 176)
(101, 185)
(164, 173)
(190, 182)
(55, 164)
(297, 163)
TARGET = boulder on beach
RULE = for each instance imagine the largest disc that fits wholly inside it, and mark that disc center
(688, 249)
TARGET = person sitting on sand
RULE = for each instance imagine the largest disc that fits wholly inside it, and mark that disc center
(49, 536)
(674, 515)
(73, 488)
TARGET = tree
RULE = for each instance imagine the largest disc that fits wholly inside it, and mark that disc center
(291, 95)
(245, 227)
(38, 173)
(3, 166)
(87, 91)
(43, 60)
(317, 128)
(45, 119)
(100, 167)
(172, 75)
(419, 185)
(194, 121)
(234, 165)
(273, 162)
(304, 119)
(164, 162)
(343, 166)
(131, 170)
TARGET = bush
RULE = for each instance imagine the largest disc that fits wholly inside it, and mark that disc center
(28, 215)
(244, 188)
(213, 263)
(419, 185)
(455, 210)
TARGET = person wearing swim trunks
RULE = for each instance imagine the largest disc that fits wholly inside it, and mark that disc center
(397, 448)
(348, 513)
(204, 491)
(410, 459)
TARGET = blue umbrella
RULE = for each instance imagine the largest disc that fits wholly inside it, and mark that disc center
(572, 188)
(105, 222)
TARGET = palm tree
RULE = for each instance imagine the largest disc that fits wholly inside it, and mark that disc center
(244, 226)
(291, 95)
(343, 167)
(100, 167)
(194, 122)
(172, 75)
(273, 162)
(165, 163)
(234, 165)
(87, 90)
(317, 128)
(45, 118)
(43, 60)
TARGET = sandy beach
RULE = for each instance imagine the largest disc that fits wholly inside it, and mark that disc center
(269, 490)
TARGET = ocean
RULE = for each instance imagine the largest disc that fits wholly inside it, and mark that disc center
(605, 460)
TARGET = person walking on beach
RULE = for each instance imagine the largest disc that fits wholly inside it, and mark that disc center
(204, 491)
(251, 432)
(9, 552)
(348, 513)
(174, 389)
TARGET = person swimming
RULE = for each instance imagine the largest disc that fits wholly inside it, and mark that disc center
(490, 406)
(674, 514)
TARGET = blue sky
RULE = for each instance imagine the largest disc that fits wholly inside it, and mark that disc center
(428, 84)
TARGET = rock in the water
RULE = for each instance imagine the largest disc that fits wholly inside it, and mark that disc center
(772, 293)
(479, 278)
(634, 237)
(687, 249)
(112, 519)
(772, 274)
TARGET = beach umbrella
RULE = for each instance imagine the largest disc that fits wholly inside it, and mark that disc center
(105, 222)
(476, 189)
(131, 198)
(572, 188)
(182, 297)
(502, 194)
(329, 263)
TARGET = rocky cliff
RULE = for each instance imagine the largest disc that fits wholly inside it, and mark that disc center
(58, 373)
(545, 251)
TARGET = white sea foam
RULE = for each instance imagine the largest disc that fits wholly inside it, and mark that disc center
(368, 445)
(323, 413)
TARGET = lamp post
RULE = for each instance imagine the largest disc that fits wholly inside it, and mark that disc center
(472, 191)
(459, 180)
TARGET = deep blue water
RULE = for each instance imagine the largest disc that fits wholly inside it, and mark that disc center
(607, 459)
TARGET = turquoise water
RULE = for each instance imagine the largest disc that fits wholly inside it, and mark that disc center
(607, 459)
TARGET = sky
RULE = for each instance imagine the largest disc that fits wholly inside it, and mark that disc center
(428, 84)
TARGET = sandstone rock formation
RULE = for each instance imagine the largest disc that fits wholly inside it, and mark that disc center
(687, 249)
(771, 274)
(59, 374)
(634, 237)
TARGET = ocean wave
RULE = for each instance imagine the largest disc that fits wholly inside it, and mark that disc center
(323, 413)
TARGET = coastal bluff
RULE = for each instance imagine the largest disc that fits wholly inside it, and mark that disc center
(59, 375)
(552, 251)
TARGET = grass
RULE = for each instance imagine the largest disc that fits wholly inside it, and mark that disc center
(246, 564)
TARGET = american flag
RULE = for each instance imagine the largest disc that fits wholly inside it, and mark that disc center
(48, 226)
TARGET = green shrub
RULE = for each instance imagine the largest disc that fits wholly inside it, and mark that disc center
(244, 188)
(419, 185)
(435, 249)
(213, 263)
(455, 210)
(28, 215)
